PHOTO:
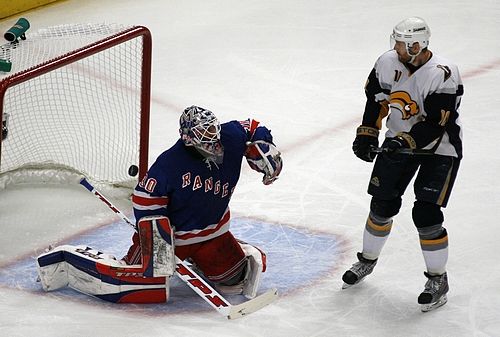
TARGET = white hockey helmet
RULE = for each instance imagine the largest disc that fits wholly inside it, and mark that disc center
(411, 30)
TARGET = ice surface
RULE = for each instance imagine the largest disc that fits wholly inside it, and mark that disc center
(300, 68)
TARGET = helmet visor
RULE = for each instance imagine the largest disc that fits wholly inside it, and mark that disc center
(392, 41)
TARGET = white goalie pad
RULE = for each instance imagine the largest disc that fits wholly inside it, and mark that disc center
(256, 265)
(55, 273)
(98, 274)
(101, 275)
(162, 234)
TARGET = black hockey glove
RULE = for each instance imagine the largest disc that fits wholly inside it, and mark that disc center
(366, 140)
(402, 141)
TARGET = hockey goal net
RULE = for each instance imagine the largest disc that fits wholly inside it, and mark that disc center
(76, 102)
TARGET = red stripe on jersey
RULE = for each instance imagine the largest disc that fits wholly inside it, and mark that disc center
(253, 125)
(150, 201)
(250, 125)
(206, 232)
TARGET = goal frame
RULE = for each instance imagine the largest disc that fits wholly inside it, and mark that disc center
(89, 50)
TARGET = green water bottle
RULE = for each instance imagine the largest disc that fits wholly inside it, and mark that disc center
(17, 31)
(5, 65)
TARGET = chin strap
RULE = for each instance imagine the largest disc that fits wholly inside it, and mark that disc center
(413, 56)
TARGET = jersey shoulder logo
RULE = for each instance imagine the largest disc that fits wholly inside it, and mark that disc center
(402, 101)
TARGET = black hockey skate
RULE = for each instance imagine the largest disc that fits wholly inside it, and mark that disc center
(434, 294)
(358, 271)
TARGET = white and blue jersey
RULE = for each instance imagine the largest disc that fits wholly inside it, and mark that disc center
(192, 192)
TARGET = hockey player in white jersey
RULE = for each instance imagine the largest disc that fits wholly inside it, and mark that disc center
(419, 92)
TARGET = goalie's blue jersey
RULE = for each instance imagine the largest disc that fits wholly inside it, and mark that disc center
(192, 192)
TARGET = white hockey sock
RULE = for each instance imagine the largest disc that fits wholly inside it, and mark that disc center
(377, 230)
(435, 253)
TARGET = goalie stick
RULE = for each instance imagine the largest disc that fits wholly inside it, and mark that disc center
(197, 283)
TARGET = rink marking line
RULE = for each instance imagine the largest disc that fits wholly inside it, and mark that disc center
(346, 125)
(482, 69)
(290, 251)
(320, 134)
(38, 250)
(328, 132)
(467, 75)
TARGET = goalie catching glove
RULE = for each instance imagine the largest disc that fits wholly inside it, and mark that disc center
(264, 157)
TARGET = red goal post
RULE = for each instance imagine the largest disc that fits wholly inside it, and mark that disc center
(76, 102)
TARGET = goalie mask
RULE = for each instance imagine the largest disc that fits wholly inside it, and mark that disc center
(409, 31)
(201, 129)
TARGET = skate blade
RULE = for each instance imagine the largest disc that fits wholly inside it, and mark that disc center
(431, 306)
(347, 285)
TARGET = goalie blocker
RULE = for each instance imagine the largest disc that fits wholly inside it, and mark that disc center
(102, 275)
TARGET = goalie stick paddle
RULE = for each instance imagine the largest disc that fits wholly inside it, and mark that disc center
(194, 281)
(402, 151)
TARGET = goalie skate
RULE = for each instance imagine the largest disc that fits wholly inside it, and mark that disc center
(434, 294)
(358, 271)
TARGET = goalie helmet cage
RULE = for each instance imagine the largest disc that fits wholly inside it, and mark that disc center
(76, 102)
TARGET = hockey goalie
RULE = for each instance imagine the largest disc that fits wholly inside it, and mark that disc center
(182, 204)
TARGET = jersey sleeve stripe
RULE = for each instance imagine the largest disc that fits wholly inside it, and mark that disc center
(147, 208)
(140, 201)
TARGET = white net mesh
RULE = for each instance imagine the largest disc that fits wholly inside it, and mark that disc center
(84, 116)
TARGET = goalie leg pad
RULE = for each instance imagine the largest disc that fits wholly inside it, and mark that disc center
(157, 246)
(133, 255)
(52, 269)
(101, 275)
(256, 265)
